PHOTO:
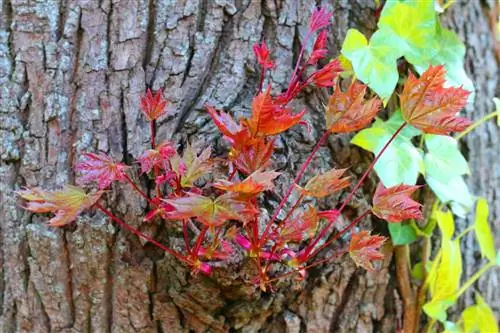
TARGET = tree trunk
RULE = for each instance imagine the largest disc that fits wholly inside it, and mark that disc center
(71, 73)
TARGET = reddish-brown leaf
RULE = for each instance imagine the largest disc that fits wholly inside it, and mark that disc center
(428, 106)
(269, 118)
(364, 248)
(66, 204)
(325, 184)
(101, 169)
(153, 106)
(262, 54)
(252, 156)
(299, 227)
(226, 124)
(210, 212)
(394, 204)
(191, 166)
(348, 111)
(254, 184)
(325, 77)
(158, 157)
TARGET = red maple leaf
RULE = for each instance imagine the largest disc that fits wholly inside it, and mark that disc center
(299, 227)
(153, 106)
(319, 48)
(252, 156)
(325, 77)
(251, 186)
(262, 54)
(192, 166)
(428, 106)
(269, 118)
(394, 204)
(364, 248)
(158, 157)
(100, 168)
(212, 213)
(325, 184)
(348, 111)
(66, 203)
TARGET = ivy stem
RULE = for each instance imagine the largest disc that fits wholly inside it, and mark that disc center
(337, 235)
(358, 185)
(140, 234)
(134, 185)
(474, 278)
(292, 186)
(476, 124)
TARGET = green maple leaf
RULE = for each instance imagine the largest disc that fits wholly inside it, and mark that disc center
(443, 159)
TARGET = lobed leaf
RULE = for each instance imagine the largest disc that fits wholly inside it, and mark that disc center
(325, 184)
(251, 186)
(364, 248)
(99, 168)
(394, 204)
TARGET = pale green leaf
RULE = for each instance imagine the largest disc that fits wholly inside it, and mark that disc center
(446, 223)
(479, 318)
(412, 25)
(375, 62)
(443, 161)
(483, 231)
(454, 192)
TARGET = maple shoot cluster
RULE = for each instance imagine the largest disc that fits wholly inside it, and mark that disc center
(220, 216)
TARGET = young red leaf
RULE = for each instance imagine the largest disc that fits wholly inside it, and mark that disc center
(325, 184)
(325, 77)
(213, 253)
(319, 50)
(100, 168)
(268, 118)
(394, 204)
(210, 212)
(262, 54)
(349, 112)
(298, 228)
(66, 204)
(153, 106)
(364, 248)
(430, 107)
(226, 124)
(320, 18)
(158, 157)
(254, 184)
(252, 156)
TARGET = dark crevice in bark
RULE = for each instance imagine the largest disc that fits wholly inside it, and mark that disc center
(150, 35)
(69, 280)
(222, 40)
(349, 290)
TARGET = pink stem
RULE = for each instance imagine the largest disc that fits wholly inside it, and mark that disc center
(140, 234)
(199, 240)
(302, 49)
(261, 82)
(357, 186)
(153, 134)
(340, 233)
(295, 181)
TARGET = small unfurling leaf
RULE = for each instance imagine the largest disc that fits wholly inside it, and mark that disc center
(429, 106)
(66, 204)
(262, 54)
(158, 157)
(254, 184)
(100, 168)
(325, 77)
(325, 184)
(364, 248)
(394, 204)
(349, 112)
(320, 18)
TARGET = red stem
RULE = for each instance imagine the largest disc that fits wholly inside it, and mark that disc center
(153, 133)
(261, 82)
(186, 238)
(339, 234)
(303, 47)
(142, 235)
(199, 240)
(295, 181)
(357, 186)
(134, 185)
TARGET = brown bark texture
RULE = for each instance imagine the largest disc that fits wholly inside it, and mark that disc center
(71, 73)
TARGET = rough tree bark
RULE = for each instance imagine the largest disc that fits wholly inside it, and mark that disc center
(71, 73)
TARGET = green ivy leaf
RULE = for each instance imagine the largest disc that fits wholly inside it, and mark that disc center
(412, 25)
(401, 162)
(443, 160)
(375, 62)
(454, 191)
(402, 233)
(450, 53)
(483, 232)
